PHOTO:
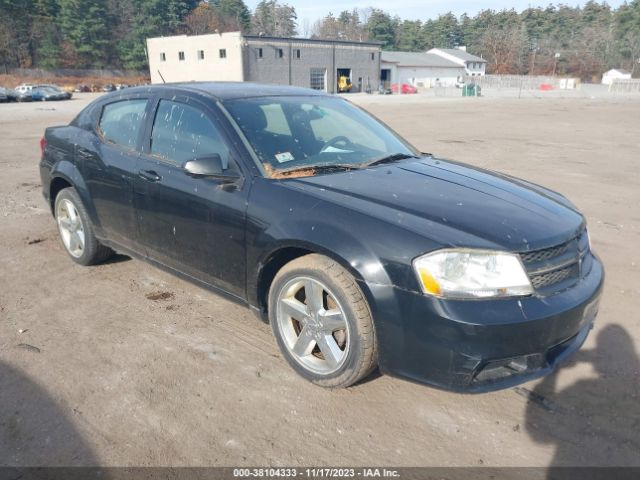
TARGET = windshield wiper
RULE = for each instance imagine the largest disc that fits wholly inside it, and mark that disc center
(394, 157)
(327, 167)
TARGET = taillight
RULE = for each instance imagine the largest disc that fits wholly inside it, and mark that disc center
(43, 145)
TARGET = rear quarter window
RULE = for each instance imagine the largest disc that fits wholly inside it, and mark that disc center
(121, 121)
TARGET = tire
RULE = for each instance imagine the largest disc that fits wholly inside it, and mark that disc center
(334, 347)
(76, 231)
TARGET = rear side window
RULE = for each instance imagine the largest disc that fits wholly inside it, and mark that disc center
(182, 133)
(121, 122)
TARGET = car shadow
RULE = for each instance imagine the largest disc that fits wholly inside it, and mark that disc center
(34, 430)
(116, 258)
(595, 421)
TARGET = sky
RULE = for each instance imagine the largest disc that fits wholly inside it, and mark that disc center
(312, 10)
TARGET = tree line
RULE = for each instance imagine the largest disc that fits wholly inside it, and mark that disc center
(578, 41)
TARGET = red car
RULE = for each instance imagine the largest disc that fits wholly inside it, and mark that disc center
(406, 88)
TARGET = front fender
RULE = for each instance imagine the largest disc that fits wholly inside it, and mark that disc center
(334, 241)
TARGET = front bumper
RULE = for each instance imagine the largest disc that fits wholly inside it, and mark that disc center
(481, 345)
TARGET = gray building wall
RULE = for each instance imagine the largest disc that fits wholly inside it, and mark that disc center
(362, 59)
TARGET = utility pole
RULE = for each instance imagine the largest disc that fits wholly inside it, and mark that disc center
(555, 63)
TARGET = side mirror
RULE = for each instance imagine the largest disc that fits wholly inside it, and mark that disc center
(209, 166)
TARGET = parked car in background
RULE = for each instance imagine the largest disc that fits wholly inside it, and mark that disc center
(15, 96)
(46, 94)
(82, 88)
(406, 88)
(359, 249)
(24, 88)
(63, 94)
(3, 95)
(109, 87)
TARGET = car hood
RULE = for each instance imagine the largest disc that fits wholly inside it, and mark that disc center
(507, 212)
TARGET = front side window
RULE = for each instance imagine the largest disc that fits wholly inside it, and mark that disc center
(294, 132)
(122, 121)
(182, 133)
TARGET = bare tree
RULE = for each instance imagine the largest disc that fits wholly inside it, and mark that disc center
(505, 49)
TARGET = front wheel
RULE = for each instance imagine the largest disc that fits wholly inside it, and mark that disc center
(76, 231)
(322, 322)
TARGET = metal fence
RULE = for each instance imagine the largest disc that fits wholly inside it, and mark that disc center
(523, 82)
(66, 72)
(625, 86)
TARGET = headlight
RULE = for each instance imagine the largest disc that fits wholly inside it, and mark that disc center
(464, 273)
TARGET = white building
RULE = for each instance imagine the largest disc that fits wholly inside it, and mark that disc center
(304, 62)
(419, 69)
(473, 65)
(615, 74)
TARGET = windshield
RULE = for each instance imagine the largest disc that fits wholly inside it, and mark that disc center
(306, 133)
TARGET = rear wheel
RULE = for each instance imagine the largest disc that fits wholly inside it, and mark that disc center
(76, 231)
(322, 323)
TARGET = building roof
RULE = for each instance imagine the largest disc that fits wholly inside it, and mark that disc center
(417, 59)
(619, 70)
(267, 38)
(312, 40)
(461, 54)
(227, 90)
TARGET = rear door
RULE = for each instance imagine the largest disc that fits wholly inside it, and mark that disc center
(195, 225)
(108, 163)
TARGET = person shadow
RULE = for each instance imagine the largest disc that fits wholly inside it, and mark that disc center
(35, 431)
(595, 421)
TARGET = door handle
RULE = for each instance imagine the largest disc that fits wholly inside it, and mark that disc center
(84, 153)
(149, 175)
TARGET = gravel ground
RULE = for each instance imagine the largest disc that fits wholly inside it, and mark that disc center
(123, 364)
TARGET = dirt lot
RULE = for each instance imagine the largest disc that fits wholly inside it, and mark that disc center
(122, 364)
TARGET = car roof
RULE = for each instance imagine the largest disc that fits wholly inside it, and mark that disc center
(230, 90)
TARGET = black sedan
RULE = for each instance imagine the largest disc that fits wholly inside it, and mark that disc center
(357, 248)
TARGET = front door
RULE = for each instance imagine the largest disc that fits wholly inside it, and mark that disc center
(194, 225)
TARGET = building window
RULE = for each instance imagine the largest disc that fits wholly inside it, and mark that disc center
(280, 53)
(259, 53)
(298, 53)
(223, 53)
(373, 56)
(163, 57)
(317, 79)
(200, 54)
(181, 56)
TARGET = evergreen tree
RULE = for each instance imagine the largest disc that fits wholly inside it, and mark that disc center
(85, 25)
(233, 13)
(410, 37)
(382, 28)
(275, 19)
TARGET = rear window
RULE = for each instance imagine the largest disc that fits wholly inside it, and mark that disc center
(121, 122)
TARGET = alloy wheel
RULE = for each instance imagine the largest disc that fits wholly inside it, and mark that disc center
(313, 325)
(71, 228)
